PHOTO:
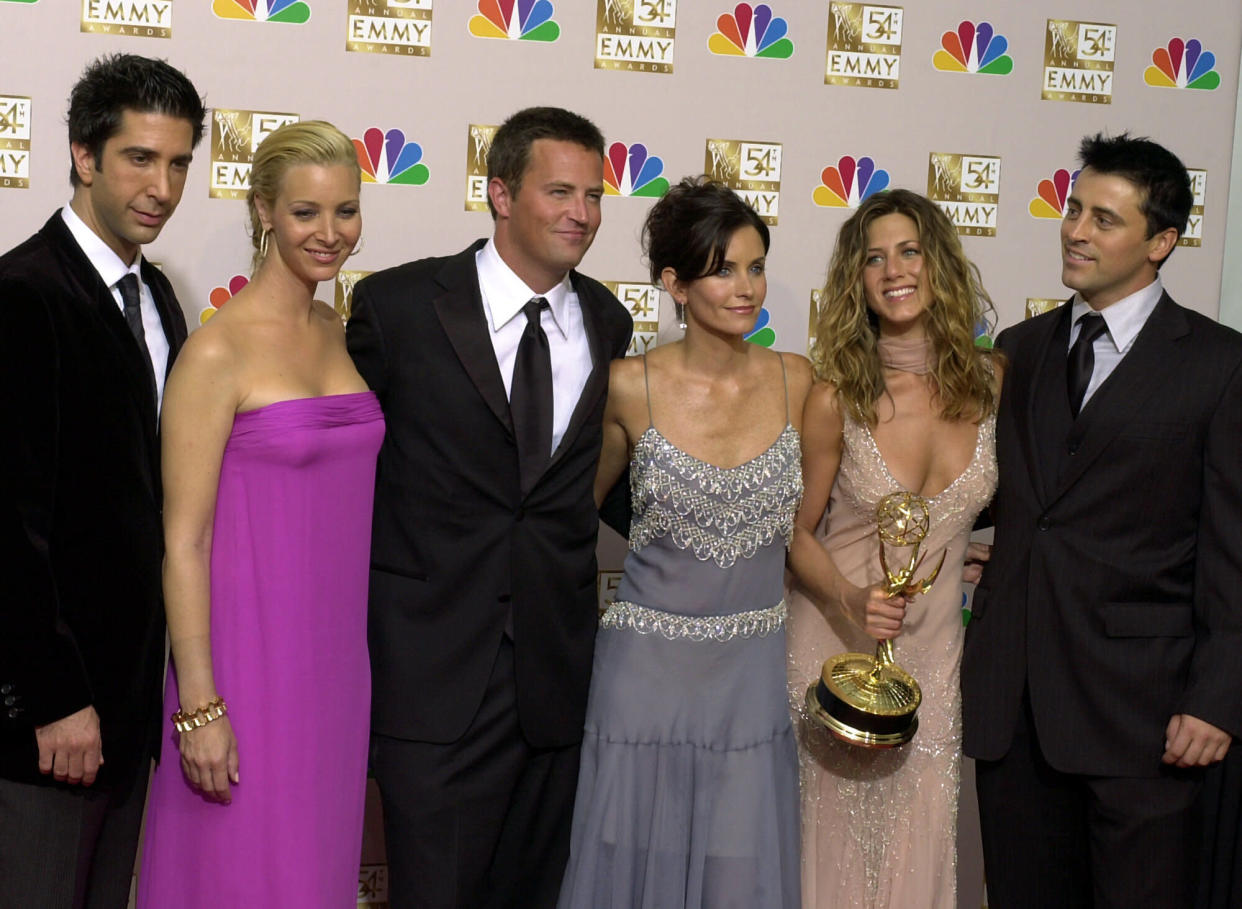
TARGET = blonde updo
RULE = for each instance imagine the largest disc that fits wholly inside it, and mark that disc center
(307, 142)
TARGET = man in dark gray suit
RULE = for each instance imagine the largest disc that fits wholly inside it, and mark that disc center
(1101, 671)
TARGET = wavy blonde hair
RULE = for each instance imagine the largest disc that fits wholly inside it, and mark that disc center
(846, 332)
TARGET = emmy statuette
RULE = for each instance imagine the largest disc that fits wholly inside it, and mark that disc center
(869, 700)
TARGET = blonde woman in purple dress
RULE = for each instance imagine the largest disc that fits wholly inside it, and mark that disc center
(269, 445)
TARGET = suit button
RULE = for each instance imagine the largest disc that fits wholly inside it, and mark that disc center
(14, 712)
(1043, 523)
(10, 700)
(1073, 448)
(6, 688)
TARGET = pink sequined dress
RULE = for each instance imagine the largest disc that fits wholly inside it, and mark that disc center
(879, 827)
(290, 559)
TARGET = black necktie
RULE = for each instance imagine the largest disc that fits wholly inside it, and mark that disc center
(530, 400)
(128, 286)
(1082, 357)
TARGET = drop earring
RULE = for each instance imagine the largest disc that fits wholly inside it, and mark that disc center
(680, 309)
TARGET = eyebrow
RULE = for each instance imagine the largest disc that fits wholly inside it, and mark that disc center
(1096, 209)
(145, 150)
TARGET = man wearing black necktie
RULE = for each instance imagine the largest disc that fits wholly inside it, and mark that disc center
(88, 329)
(1102, 672)
(492, 369)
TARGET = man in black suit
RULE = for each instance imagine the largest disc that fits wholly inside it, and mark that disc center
(1102, 669)
(492, 369)
(88, 330)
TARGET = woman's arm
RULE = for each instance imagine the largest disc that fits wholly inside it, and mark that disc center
(822, 438)
(614, 455)
(199, 405)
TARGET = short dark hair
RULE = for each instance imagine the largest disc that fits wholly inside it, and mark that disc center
(115, 83)
(509, 154)
(689, 229)
(1157, 173)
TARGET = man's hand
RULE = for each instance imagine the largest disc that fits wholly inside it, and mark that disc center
(976, 555)
(70, 748)
(1192, 742)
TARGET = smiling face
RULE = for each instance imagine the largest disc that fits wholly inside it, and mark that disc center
(894, 279)
(133, 188)
(726, 302)
(545, 228)
(315, 220)
(1106, 254)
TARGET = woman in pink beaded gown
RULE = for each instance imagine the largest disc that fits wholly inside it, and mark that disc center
(270, 439)
(906, 402)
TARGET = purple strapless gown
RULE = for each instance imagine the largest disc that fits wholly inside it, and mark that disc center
(289, 568)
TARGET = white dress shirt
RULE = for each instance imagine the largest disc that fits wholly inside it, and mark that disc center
(504, 295)
(111, 269)
(1125, 319)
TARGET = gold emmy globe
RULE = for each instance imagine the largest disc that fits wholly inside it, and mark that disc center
(869, 700)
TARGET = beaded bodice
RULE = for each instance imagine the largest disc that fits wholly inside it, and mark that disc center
(720, 514)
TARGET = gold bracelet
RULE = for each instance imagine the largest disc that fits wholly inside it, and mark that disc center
(185, 722)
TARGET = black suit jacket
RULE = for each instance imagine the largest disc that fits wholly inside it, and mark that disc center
(1114, 584)
(456, 548)
(82, 619)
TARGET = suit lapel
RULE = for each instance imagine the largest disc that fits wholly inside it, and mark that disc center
(98, 298)
(1120, 400)
(597, 381)
(171, 319)
(1045, 390)
(460, 310)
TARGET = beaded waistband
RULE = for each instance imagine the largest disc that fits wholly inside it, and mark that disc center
(625, 616)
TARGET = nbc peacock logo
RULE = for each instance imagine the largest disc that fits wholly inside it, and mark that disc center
(763, 333)
(519, 20)
(973, 48)
(385, 157)
(848, 182)
(221, 295)
(1051, 193)
(751, 31)
(293, 12)
(630, 171)
(1183, 64)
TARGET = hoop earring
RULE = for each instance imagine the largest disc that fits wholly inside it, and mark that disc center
(263, 242)
(680, 309)
(362, 241)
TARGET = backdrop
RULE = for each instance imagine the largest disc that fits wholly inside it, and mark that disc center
(804, 106)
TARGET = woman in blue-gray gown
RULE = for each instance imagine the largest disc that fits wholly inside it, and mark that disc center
(688, 794)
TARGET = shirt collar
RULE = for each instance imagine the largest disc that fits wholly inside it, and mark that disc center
(507, 293)
(104, 259)
(1126, 317)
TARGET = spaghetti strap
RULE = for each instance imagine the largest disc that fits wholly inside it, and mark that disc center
(647, 388)
(784, 379)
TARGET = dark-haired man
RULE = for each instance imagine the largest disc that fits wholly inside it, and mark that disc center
(88, 330)
(1101, 671)
(492, 367)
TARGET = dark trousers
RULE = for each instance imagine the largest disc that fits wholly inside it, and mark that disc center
(69, 847)
(1085, 842)
(480, 822)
